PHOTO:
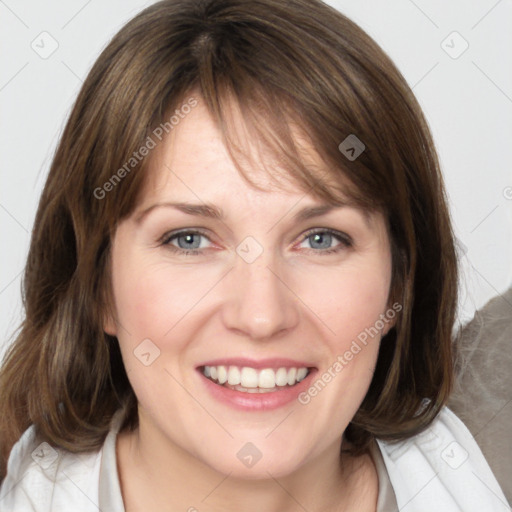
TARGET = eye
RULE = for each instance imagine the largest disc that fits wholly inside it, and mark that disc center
(185, 242)
(322, 239)
(192, 242)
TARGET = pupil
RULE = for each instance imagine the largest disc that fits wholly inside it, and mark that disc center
(322, 239)
(189, 240)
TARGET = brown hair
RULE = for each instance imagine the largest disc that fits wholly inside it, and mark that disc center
(298, 61)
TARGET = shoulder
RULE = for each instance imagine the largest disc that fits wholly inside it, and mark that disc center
(444, 467)
(42, 478)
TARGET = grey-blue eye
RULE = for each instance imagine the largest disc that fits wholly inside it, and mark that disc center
(322, 239)
(190, 241)
(187, 241)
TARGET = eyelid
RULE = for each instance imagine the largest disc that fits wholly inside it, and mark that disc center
(166, 237)
(344, 239)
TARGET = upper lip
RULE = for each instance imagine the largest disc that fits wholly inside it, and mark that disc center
(275, 362)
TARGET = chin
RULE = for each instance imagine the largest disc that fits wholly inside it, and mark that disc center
(248, 462)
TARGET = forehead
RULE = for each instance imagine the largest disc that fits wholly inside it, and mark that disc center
(193, 172)
(194, 159)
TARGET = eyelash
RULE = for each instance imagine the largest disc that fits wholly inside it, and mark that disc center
(345, 241)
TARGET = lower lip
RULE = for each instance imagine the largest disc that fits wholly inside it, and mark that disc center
(256, 401)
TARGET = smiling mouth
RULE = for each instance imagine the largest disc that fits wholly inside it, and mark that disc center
(251, 380)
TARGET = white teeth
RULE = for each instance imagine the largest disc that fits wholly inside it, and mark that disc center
(301, 374)
(249, 377)
(254, 381)
(222, 374)
(281, 377)
(267, 378)
(234, 376)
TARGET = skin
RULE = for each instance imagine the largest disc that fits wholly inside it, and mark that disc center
(293, 301)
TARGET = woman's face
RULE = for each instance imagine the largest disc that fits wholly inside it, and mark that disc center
(250, 286)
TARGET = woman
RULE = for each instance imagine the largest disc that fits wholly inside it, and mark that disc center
(241, 284)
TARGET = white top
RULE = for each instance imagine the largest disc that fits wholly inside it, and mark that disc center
(441, 469)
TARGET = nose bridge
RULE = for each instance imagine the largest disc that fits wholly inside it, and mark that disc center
(260, 304)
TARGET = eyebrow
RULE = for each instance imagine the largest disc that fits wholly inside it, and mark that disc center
(213, 212)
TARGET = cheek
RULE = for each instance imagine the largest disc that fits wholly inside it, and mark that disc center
(149, 301)
(138, 296)
(349, 300)
(150, 298)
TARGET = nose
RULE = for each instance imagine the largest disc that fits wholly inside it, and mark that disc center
(260, 303)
